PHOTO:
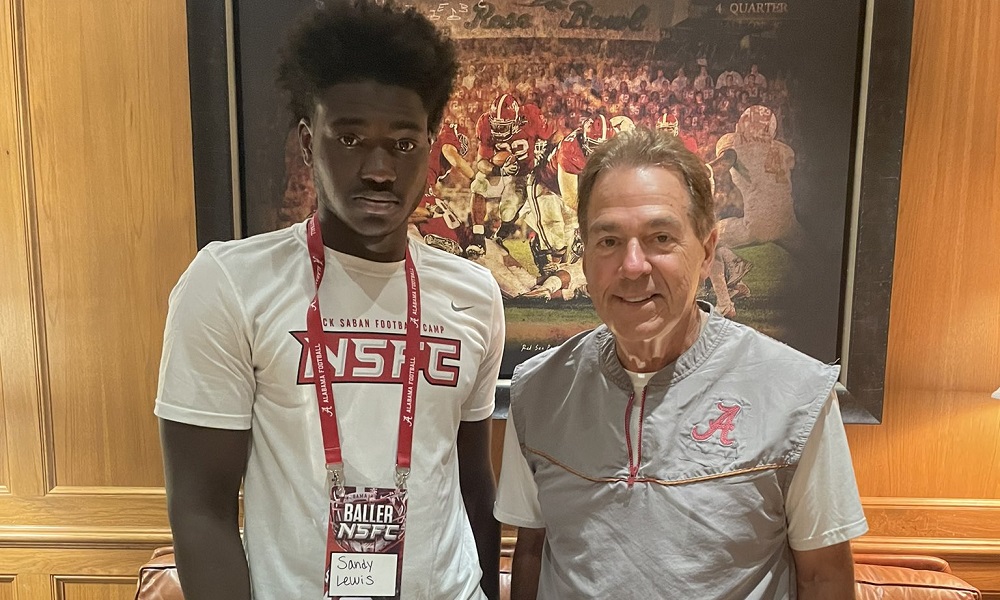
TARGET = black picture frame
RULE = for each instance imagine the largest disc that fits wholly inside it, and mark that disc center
(875, 176)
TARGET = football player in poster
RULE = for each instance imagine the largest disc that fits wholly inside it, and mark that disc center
(434, 219)
(512, 139)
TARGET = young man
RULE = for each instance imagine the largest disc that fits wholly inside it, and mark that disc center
(348, 372)
(671, 452)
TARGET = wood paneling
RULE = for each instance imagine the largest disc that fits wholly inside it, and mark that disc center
(112, 165)
(73, 562)
(4, 467)
(97, 588)
(928, 474)
(97, 222)
(10, 188)
(939, 437)
(17, 314)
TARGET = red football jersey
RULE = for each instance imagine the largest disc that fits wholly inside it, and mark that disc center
(521, 144)
(568, 155)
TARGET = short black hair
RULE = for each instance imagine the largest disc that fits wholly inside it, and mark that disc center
(349, 41)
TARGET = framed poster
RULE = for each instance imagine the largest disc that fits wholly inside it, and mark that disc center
(797, 107)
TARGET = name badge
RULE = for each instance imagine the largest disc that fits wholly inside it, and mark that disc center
(364, 548)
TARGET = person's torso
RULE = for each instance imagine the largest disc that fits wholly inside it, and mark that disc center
(704, 515)
(363, 308)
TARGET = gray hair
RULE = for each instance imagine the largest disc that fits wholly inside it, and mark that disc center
(644, 147)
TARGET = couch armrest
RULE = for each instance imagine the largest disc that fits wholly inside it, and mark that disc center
(909, 561)
(885, 582)
(158, 577)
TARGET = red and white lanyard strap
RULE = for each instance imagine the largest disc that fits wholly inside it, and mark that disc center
(323, 372)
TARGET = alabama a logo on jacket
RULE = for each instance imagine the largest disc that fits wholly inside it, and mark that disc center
(369, 357)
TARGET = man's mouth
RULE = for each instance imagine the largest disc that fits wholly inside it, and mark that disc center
(378, 197)
(637, 299)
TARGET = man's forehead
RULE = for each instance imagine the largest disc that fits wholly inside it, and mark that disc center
(631, 194)
(619, 219)
(367, 102)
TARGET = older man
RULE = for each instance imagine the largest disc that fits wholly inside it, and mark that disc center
(672, 453)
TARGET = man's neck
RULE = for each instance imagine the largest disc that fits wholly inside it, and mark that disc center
(338, 236)
(650, 356)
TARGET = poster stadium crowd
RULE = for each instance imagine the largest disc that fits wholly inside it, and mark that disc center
(525, 114)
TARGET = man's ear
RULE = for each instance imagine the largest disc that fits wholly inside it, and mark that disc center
(305, 141)
(709, 245)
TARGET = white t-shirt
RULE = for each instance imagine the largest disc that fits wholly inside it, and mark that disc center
(822, 504)
(233, 358)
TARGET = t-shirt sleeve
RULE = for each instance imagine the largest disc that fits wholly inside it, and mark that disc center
(206, 373)
(822, 505)
(517, 494)
(481, 401)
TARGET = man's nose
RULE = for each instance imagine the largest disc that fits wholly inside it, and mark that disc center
(634, 263)
(378, 165)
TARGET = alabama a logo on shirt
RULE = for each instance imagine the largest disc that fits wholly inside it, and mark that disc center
(723, 425)
(375, 357)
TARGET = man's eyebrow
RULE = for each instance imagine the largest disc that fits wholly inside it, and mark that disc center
(603, 227)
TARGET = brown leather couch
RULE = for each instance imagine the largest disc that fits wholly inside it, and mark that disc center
(878, 576)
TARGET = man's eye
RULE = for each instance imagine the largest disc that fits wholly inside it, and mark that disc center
(406, 145)
(607, 243)
(663, 239)
(349, 140)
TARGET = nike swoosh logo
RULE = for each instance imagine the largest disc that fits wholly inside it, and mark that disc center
(459, 308)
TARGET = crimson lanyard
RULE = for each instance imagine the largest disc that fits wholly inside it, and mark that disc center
(323, 372)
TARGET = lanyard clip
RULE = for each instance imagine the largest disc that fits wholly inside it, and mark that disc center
(335, 478)
(402, 474)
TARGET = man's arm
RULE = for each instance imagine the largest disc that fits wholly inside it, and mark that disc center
(457, 160)
(475, 470)
(825, 573)
(568, 185)
(527, 563)
(204, 468)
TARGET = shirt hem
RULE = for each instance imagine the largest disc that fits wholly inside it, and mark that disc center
(516, 521)
(830, 538)
(202, 418)
(478, 414)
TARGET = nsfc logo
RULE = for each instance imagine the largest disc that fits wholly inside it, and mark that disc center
(723, 424)
(361, 357)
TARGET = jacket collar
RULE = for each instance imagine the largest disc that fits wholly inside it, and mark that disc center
(708, 340)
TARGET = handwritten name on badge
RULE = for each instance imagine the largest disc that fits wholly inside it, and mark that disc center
(362, 574)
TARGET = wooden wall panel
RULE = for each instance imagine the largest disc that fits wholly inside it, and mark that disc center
(929, 473)
(10, 188)
(97, 222)
(112, 166)
(97, 588)
(19, 360)
(4, 454)
(939, 437)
